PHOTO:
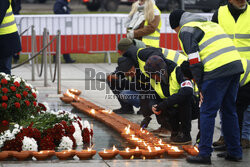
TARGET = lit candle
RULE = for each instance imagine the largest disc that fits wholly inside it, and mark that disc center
(106, 154)
(175, 152)
(126, 154)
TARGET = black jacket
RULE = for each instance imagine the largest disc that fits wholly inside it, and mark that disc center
(9, 43)
(61, 7)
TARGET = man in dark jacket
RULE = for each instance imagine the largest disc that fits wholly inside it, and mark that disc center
(211, 54)
(9, 38)
(61, 7)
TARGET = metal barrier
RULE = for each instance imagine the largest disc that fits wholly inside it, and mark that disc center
(43, 50)
(89, 33)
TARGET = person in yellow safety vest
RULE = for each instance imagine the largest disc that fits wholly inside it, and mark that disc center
(216, 67)
(144, 23)
(146, 104)
(234, 19)
(9, 38)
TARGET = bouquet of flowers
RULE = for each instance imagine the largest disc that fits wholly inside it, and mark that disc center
(17, 99)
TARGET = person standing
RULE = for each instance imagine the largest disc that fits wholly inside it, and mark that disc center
(9, 38)
(144, 23)
(234, 19)
(61, 7)
(212, 55)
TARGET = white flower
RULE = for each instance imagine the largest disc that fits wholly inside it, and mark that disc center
(3, 74)
(29, 144)
(86, 125)
(77, 134)
(18, 79)
(66, 143)
(46, 105)
(7, 77)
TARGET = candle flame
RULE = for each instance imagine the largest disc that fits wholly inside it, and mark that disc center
(114, 148)
(157, 148)
(127, 129)
(196, 149)
(127, 149)
(175, 148)
(104, 151)
(92, 111)
(110, 111)
(89, 149)
(137, 148)
(70, 94)
(149, 149)
(168, 145)
(74, 90)
(160, 142)
(41, 152)
(144, 143)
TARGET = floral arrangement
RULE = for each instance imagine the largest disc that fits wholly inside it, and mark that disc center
(17, 99)
(49, 130)
(32, 125)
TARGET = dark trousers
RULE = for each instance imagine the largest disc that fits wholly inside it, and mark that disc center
(220, 94)
(5, 64)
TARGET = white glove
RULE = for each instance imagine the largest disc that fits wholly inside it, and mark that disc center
(130, 34)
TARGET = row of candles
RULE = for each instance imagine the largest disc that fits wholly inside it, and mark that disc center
(149, 153)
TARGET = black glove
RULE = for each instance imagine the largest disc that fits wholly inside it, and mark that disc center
(185, 69)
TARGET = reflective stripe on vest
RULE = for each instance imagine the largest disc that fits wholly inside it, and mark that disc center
(8, 24)
(174, 56)
(245, 77)
(153, 39)
(238, 31)
(216, 48)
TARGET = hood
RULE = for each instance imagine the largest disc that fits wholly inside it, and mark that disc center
(189, 17)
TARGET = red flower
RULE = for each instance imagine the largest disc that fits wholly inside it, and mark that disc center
(27, 102)
(4, 98)
(17, 84)
(13, 88)
(17, 105)
(27, 87)
(4, 81)
(5, 90)
(34, 103)
(5, 123)
(18, 96)
(25, 93)
(42, 106)
(0, 86)
(34, 95)
(4, 105)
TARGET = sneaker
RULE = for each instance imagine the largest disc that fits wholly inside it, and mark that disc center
(199, 159)
(182, 139)
(145, 122)
(123, 111)
(245, 143)
(219, 142)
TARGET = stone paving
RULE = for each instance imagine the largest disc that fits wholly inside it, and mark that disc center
(75, 76)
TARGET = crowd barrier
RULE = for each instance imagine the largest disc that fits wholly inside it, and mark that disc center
(87, 33)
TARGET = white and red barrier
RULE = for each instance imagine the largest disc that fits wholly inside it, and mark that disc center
(87, 33)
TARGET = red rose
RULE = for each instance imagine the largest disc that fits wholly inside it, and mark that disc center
(34, 103)
(5, 90)
(25, 93)
(13, 88)
(0, 86)
(27, 87)
(4, 105)
(4, 98)
(5, 123)
(4, 81)
(18, 96)
(17, 105)
(27, 102)
(17, 84)
(34, 95)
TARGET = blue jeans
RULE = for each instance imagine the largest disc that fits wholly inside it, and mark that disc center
(246, 125)
(220, 94)
(5, 64)
(130, 97)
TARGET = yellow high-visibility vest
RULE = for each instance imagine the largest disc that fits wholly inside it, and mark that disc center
(238, 31)
(174, 56)
(245, 77)
(154, 38)
(216, 48)
(8, 24)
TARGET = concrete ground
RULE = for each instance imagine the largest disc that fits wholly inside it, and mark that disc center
(77, 76)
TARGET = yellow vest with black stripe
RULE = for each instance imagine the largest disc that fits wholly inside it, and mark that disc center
(238, 31)
(245, 77)
(154, 38)
(8, 24)
(216, 48)
(173, 84)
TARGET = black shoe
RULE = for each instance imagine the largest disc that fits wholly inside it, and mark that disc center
(123, 111)
(145, 122)
(70, 61)
(182, 138)
(222, 155)
(231, 158)
(220, 148)
(199, 159)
